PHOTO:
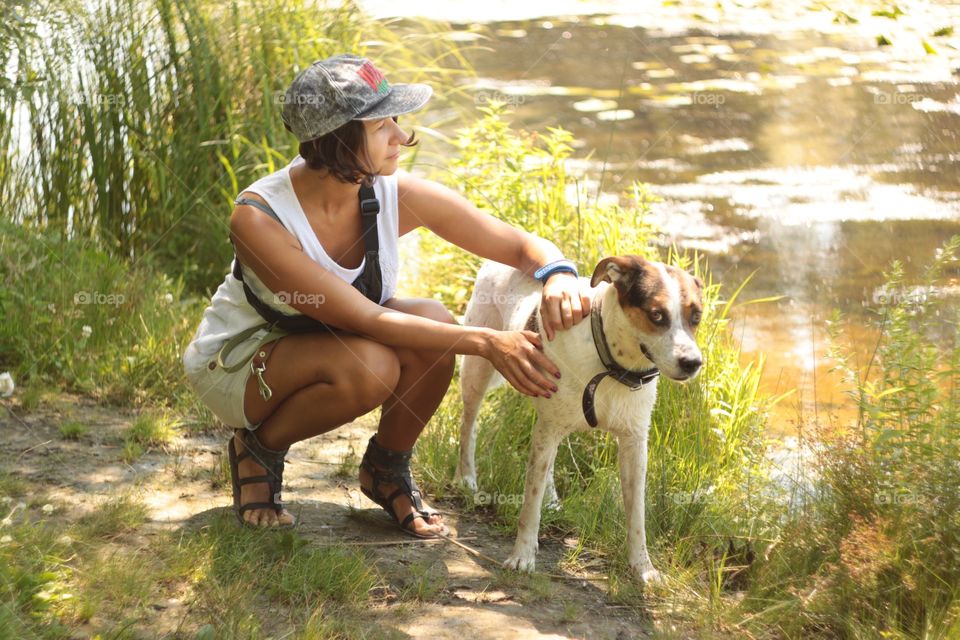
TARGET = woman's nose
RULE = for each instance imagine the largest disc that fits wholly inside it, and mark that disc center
(399, 134)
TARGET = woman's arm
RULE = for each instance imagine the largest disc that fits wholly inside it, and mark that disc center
(454, 218)
(263, 245)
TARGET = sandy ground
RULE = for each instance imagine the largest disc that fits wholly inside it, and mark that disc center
(474, 599)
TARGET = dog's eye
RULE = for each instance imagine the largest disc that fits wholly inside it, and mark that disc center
(656, 317)
(695, 318)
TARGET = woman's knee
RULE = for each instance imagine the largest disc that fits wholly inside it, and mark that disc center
(435, 310)
(423, 307)
(372, 377)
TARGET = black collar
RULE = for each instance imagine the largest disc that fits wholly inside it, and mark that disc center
(633, 379)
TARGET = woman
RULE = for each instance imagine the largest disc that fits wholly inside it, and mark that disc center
(310, 306)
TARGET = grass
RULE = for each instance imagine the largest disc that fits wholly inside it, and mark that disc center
(113, 517)
(149, 430)
(55, 579)
(90, 307)
(73, 430)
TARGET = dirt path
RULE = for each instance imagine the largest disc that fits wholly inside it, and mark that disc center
(462, 596)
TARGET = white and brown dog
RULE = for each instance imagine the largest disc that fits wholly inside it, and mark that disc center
(643, 319)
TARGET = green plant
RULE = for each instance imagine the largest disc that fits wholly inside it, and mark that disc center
(73, 430)
(875, 546)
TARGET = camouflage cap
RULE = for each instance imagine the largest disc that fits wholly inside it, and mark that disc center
(330, 93)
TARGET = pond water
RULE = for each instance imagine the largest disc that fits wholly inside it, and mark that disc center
(810, 158)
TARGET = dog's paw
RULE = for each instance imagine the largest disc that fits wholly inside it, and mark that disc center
(521, 562)
(648, 575)
(468, 482)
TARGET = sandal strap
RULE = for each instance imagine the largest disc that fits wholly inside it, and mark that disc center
(250, 506)
(272, 462)
(394, 468)
(387, 459)
(410, 518)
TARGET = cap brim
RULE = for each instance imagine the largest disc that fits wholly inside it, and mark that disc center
(403, 98)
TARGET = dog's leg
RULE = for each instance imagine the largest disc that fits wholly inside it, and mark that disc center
(633, 478)
(543, 451)
(475, 375)
(550, 497)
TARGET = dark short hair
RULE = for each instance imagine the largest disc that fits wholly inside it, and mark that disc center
(340, 152)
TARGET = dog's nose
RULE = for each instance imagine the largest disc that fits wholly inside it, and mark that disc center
(688, 364)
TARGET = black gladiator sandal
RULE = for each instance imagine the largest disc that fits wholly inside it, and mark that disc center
(394, 469)
(271, 461)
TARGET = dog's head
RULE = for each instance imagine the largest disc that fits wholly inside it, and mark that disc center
(661, 306)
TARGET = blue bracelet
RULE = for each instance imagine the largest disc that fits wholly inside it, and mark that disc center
(557, 266)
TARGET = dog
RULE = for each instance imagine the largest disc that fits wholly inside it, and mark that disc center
(643, 321)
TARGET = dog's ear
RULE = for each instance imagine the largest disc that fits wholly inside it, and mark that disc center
(616, 268)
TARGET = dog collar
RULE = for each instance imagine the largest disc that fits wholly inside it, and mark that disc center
(633, 379)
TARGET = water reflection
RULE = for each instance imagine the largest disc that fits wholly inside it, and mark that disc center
(810, 158)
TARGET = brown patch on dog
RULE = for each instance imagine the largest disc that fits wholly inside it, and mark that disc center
(532, 321)
(640, 318)
(640, 289)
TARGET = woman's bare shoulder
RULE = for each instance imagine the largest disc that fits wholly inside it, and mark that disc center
(247, 221)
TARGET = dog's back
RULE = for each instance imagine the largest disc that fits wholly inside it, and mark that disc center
(503, 298)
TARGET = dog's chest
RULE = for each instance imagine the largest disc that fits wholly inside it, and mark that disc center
(618, 407)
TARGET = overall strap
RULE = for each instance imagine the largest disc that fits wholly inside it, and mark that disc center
(370, 282)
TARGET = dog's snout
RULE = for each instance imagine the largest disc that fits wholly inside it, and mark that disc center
(690, 364)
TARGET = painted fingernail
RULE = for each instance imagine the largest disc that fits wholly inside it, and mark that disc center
(547, 394)
(557, 374)
(556, 388)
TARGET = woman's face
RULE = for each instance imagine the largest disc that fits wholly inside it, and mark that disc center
(384, 138)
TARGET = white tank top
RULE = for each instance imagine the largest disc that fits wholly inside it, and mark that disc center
(229, 312)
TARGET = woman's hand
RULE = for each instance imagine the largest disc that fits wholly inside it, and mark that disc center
(516, 355)
(563, 304)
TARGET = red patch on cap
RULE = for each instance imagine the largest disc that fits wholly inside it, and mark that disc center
(372, 76)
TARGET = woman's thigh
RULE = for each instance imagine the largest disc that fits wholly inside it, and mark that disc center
(359, 365)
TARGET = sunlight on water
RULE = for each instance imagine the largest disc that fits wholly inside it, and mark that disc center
(784, 143)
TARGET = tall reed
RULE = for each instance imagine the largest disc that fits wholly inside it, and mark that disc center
(135, 122)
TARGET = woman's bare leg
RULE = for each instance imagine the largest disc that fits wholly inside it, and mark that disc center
(424, 379)
(319, 382)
